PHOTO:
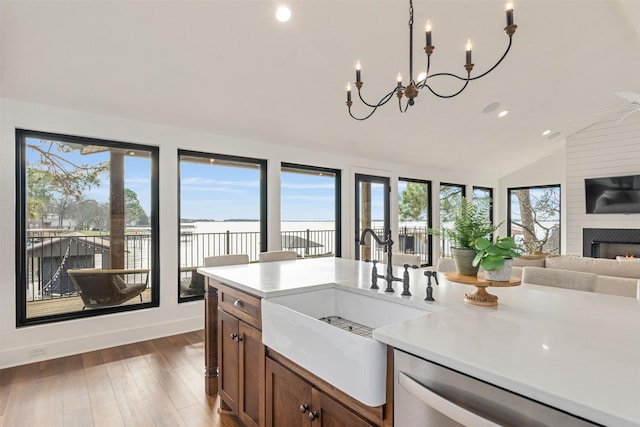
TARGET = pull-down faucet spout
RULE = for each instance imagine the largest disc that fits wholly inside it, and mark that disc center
(388, 244)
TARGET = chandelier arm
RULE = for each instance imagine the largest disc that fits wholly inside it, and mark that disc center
(468, 78)
(504, 55)
(382, 101)
(365, 117)
(466, 83)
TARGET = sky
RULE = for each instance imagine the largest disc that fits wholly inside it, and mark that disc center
(213, 191)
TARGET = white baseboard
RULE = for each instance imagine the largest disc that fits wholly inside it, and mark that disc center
(90, 342)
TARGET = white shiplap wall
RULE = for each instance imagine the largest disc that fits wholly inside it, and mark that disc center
(607, 148)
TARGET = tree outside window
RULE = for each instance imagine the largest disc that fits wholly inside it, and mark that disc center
(414, 214)
(84, 204)
(534, 218)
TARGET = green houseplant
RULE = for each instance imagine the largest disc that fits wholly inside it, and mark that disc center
(470, 221)
(496, 257)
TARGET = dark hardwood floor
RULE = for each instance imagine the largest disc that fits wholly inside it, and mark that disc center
(152, 383)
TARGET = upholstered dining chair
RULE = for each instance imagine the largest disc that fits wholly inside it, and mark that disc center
(401, 259)
(277, 256)
(218, 260)
(196, 285)
(445, 265)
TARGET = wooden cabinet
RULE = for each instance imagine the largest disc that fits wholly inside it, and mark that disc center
(264, 388)
(294, 402)
(241, 356)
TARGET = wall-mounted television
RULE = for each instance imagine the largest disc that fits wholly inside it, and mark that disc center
(616, 195)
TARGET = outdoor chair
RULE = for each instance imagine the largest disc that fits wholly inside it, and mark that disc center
(107, 288)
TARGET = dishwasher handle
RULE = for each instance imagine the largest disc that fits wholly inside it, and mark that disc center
(441, 404)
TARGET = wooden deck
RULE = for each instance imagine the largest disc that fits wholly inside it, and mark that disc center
(70, 304)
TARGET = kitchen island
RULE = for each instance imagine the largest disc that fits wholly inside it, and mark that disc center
(575, 351)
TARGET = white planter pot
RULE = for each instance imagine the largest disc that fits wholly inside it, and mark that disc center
(502, 274)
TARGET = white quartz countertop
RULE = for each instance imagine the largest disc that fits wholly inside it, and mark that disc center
(576, 351)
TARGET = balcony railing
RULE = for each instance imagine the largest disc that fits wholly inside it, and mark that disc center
(411, 240)
(48, 258)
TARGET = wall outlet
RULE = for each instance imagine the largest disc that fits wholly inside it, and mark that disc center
(38, 351)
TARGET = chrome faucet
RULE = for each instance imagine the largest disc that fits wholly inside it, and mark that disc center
(388, 244)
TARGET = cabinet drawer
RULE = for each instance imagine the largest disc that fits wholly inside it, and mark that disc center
(240, 304)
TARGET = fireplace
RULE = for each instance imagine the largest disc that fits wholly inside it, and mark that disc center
(610, 242)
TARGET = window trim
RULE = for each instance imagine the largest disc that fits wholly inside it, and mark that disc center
(558, 186)
(490, 191)
(429, 216)
(262, 163)
(338, 197)
(21, 136)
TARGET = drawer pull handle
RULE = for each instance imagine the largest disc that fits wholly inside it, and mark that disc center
(238, 304)
(234, 336)
(313, 415)
(304, 408)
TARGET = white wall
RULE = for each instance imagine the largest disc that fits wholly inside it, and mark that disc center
(71, 337)
(606, 149)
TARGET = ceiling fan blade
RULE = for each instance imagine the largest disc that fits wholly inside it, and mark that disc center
(632, 97)
(586, 116)
(626, 115)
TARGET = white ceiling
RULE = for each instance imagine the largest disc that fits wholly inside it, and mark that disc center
(228, 67)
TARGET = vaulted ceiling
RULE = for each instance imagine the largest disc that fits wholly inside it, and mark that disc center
(229, 68)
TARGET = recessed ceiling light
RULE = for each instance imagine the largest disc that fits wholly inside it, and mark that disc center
(554, 135)
(503, 113)
(546, 132)
(283, 14)
(491, 107)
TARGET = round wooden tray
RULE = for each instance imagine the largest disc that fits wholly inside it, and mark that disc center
(480, 296)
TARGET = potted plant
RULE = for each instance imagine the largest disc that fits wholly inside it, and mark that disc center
(496, 258)
(469, 223)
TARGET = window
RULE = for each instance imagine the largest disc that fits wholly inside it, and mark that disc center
(310, 210)
(90, 205)
(371, 211)
(450, 200)
(483, 197)
(534, 218)
(414, 216)
(222, 210)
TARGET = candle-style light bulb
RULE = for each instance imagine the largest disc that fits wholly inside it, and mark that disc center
(348, 92)
(358, 71)
(399, 80)
(468, 51)
(509, 13)
(427, 31)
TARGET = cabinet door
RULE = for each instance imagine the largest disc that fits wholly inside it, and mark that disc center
(228, 359)
(333, 414)
(251, 376)
(288, 398)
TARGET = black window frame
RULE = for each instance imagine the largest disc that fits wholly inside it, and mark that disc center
(262, 163)
(21, 136)
(491, 204)
(528, 187)
(429, 215)
(338, 197)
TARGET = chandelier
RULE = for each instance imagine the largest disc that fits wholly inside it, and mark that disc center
(411, 90)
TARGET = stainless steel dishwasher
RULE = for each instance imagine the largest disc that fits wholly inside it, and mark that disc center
(427, 394)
